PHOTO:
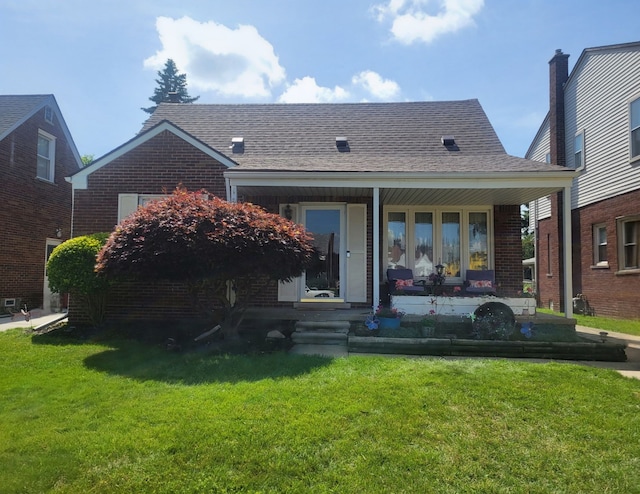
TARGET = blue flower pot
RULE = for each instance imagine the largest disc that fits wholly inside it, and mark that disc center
(388, 322)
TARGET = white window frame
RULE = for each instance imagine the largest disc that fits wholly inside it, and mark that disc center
(51, 169)
(579, 164)
(464, 211)
(597, 261)
(634, 127)
(128, 203)
(624, 243)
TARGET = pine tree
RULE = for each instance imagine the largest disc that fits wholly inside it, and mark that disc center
(172, 87)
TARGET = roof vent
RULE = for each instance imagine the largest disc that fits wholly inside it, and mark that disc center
(342, 144)
(448, 141)
(237, 145)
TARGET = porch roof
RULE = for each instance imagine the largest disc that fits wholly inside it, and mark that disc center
(395, 188)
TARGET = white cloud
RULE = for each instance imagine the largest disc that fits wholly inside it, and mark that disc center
(375, 85)
(306, 90)
(232, 62)
(411, 22)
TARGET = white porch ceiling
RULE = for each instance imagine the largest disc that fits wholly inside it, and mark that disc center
(409, 196)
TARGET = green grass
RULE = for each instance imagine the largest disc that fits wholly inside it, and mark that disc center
(123, 417)
(627, 326)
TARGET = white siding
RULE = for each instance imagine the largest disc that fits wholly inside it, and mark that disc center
(597, 99)
(538, 151)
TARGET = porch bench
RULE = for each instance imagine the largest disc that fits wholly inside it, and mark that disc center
(401, 280)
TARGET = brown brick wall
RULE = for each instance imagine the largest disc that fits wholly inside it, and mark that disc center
(32, 209)
(156, 166)
(508, 249)
(609, 290)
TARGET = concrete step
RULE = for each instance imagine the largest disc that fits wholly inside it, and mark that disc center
(321, 304)
(319, 338)
(324, 326)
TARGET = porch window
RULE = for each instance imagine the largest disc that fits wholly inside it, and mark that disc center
(420, 238)
(600, 245)
(423, 239)
(478, 242)
(397, 240)
(635, 129)
(629, 236)
(451, 244)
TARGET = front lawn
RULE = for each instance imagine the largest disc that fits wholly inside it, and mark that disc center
(118, 416)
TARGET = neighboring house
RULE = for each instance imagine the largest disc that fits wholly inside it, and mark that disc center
(593, 127)
(378, 184)
(36, 154)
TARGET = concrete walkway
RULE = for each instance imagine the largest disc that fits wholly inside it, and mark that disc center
(38, 320)
(630, 368)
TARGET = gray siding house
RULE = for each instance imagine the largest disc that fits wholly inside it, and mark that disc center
(594, 129)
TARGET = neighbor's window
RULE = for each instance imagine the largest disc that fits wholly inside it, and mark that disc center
(48, 114)
(547, 158)
(578, 150)
(46, 156)
(635, 129)
(629, 235)
(600, 245)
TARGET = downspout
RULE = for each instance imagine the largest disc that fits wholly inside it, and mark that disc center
(567, 244)
(376, 246)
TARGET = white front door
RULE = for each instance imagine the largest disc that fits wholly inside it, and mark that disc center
(325, 223)
(340, 239)
(50, 301)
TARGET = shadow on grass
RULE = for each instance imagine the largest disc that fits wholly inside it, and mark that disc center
(145, 361)
(153, 364)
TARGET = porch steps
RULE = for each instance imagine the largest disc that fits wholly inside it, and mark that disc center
(321, 333)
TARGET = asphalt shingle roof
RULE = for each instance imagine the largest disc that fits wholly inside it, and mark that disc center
(403, 137)
(16, 108)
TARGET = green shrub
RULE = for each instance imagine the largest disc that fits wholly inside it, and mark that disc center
(71, 269)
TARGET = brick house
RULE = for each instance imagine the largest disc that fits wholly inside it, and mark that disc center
(36, 154)
(378, 184)
(593, 127)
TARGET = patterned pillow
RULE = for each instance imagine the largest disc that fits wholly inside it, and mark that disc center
(400, 284)
(481, 284)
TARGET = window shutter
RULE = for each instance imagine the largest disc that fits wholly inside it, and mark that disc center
(127, 204)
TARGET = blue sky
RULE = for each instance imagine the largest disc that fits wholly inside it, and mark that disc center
(100, 57)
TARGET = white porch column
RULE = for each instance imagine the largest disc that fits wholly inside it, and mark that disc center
(376, 246)
(567, 245)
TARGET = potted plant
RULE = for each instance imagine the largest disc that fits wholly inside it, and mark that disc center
(388, 318)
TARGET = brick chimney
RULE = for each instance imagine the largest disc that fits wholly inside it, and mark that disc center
(558, 75)
(552, 287)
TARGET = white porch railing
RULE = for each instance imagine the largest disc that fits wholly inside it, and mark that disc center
(457, 306)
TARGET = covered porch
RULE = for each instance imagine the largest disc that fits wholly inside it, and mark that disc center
(363, 252)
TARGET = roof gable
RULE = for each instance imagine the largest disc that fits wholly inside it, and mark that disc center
(17, 109)
(79, 179)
